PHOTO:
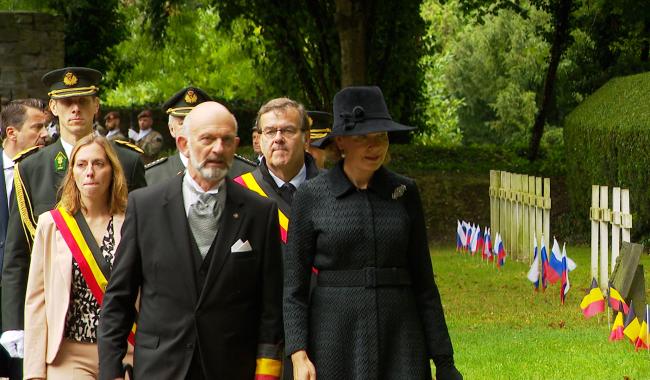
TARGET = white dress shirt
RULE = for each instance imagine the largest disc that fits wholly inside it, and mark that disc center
(67, 147)
(295, 181)
(8, 169)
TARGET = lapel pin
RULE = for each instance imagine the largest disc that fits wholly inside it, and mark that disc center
(235, 215)
(399, 191)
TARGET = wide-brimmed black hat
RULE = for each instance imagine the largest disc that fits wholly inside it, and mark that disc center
(320, 125)
(72, 81)
(182, 102)
(361, 111)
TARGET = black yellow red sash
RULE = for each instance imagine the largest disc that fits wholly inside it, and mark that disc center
(248, 181)
(268, 369)
(90, 270)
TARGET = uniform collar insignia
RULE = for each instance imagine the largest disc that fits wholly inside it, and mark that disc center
(60, 162)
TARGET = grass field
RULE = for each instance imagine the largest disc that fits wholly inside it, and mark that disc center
(501, 329)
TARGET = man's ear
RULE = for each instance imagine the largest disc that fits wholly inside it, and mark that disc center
(182, 145)
(307, 140)
(52, 104)
(11, 133)
(236, 142)
(96, 104)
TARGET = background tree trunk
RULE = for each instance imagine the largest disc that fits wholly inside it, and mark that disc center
(561, 35)
(351, 20)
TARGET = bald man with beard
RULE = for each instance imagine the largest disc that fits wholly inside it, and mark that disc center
(203, 253)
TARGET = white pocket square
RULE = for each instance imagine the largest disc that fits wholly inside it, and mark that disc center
(241, 246)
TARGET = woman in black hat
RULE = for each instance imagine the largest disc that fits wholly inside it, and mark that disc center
(375, 312)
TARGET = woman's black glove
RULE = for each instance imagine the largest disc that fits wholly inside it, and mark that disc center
(445, 368)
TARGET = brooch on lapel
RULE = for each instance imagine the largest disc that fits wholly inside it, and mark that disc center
(399, 191)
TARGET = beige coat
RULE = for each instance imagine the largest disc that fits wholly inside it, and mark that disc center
(48, 294)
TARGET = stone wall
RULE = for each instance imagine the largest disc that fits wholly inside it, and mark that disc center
(31, 44)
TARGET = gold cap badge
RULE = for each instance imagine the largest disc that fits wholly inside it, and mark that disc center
(190, 97)
(69, 79)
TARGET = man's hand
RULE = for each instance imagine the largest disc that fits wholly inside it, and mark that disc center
(303, 368)
(133, 135)
(13, 341)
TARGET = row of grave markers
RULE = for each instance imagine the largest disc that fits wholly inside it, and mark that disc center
(520, 209)
(602, 217)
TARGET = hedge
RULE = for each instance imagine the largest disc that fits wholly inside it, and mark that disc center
(607, 142)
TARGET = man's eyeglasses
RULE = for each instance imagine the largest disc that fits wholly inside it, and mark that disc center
(284, 132)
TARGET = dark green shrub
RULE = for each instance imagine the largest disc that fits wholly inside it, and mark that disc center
(607, 141)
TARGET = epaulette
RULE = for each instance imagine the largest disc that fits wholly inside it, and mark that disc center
(246, 160)
(129, 145)
(26, 153)
(157, 162)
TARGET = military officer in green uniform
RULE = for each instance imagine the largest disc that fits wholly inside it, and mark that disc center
(112, 123)
(177, 107)
(37, 175)
(148, 139)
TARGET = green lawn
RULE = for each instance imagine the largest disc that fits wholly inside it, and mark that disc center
(501, 329)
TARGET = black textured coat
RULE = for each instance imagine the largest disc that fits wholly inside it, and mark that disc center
(386, 332)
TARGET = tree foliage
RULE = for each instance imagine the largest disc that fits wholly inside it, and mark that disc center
(302, 56)
(198, 50)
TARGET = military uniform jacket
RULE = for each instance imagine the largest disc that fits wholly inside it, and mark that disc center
(230, 312)
(40, 181)
(151, 144)
(4, 213)
(362, 330)
(164, 168)
(171, 166)
(118, 136)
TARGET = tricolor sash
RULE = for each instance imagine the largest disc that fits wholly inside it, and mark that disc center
(249, 181)
(87, 259)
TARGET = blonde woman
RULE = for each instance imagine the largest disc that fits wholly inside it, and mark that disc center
(375, 312)
(71, 261)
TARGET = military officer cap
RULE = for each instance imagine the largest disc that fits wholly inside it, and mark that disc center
(182, 102)
(320, 126)
(72, 81)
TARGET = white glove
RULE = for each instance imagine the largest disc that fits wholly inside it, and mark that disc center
(133, 135)
(13, 341)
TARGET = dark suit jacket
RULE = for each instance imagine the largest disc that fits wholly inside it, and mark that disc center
(41, 181)
(234, 318)
(161, 169)
(267, 183)
(4, 212)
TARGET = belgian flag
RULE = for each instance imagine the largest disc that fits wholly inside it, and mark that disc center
(643, 340)
(594, 302)
(616, 301)
(617, 328)
(632, 325)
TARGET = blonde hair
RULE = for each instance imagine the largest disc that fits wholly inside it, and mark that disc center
(118, 191)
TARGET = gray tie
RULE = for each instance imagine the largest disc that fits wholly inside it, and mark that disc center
(203, 218)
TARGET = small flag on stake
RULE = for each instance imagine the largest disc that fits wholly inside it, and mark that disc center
(533, 272)
(617, 328)
(643, 340)
(594, 302)
(615, 300)
(632, 325)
